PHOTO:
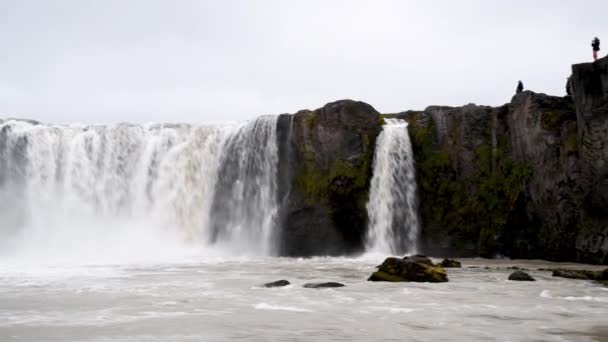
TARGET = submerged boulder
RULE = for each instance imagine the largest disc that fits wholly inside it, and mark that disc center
(278, 283)
(521, 276)
(327, 285)
(450, 263)
(407, 269)
(582, 274)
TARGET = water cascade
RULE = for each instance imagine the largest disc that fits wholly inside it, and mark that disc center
(392, 208)
(77, 191)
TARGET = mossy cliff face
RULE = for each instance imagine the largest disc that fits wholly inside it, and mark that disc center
(590, 93)
(470, 187)
(523, 180)
(325, 168)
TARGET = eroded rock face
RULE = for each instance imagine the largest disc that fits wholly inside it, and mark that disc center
(590, 93)
(325, 167)
(406, 269)
(528, 179)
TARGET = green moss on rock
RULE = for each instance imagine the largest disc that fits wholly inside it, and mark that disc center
(471, 209)
(406, 269)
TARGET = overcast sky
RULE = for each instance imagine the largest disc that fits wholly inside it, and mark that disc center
(195, 61)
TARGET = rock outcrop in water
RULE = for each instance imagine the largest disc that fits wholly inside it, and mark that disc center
(521, 276)
(278, 283)
(325, 162)
(417, 269)
(328, 285)
(582, 274)
(450, 263)
(528, 179)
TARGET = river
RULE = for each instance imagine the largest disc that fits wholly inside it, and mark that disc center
(217, 299)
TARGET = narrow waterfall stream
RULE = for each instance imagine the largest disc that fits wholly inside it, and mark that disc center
(392, 208)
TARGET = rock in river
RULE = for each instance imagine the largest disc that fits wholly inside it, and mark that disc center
(278, 283)
(323, 285)
(450, 263)
(521, 276)
(407, 269)
(582, 274)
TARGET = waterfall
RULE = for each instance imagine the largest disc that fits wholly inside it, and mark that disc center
(127, 189)
(245, 203)
(392, 208)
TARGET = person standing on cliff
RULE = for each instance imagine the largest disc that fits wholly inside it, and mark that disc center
(520, 87)
(595, 44)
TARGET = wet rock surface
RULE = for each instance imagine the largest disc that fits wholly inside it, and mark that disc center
(326, 285)
(450, 263)
(582, 274)
(408, 269)
(278, 283)
(521, 276)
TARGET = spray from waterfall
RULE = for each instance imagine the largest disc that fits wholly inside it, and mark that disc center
(126, 190)
(392, 207)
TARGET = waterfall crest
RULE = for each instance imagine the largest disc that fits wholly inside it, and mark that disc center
(392, 207)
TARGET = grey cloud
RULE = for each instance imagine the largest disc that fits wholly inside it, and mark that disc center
(108, 61)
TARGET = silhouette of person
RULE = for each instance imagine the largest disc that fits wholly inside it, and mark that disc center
(595, 44)
(520, 87)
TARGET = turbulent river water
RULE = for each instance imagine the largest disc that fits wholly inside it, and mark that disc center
(216, 299)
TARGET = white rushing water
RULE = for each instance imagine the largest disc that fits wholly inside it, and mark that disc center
(392, 208)
(123, 192)
(222, 300)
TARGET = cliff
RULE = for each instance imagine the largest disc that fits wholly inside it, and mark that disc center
(325, 166)
(527, 180)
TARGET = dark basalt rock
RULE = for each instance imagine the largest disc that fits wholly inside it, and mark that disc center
(521, 276)
(326, 158)
(278, 283)
(395, 269)
(450, 263)
(323, 285)
(527, 180)
(582, 274)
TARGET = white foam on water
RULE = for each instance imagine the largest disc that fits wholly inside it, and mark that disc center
(587, 299)
(265, 306)
(211, 298)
